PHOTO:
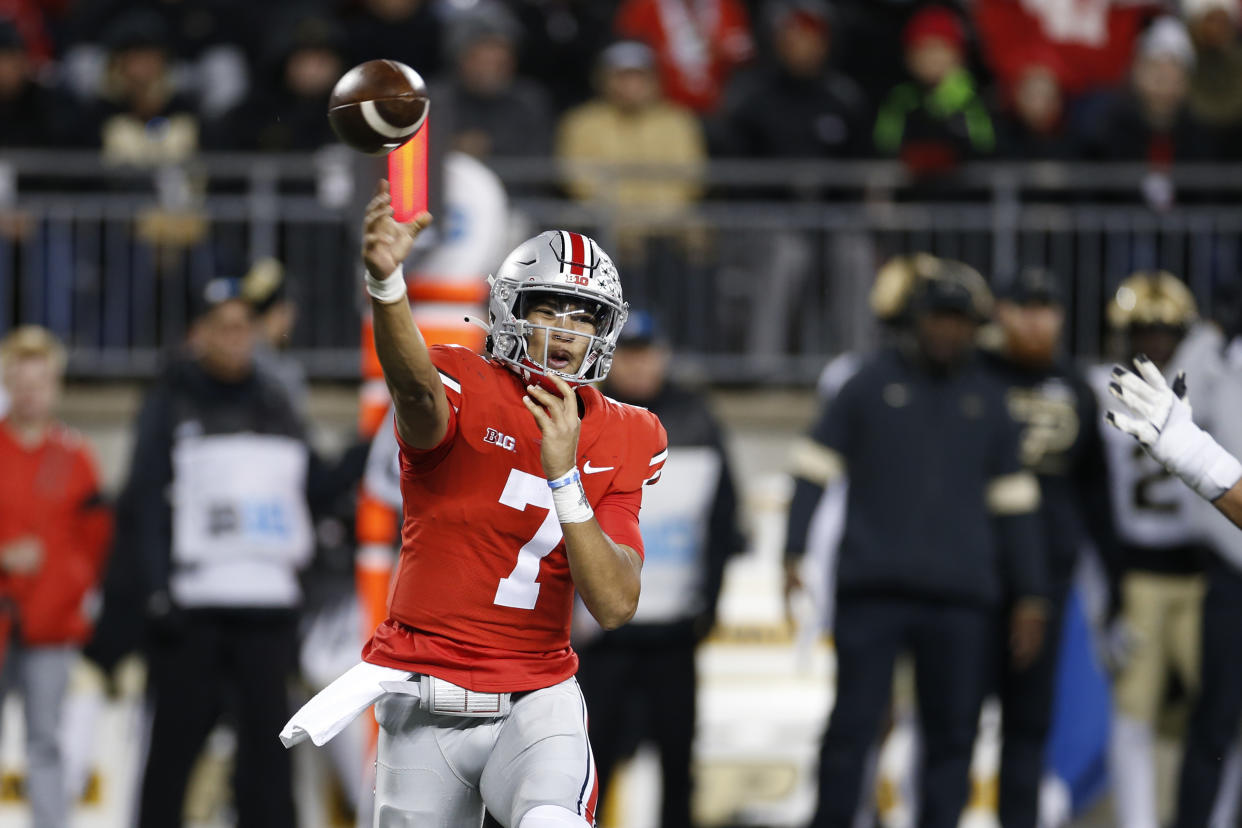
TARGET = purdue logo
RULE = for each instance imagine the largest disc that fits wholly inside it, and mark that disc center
(503, 440)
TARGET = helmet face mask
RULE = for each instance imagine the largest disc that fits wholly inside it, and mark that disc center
(572, 276)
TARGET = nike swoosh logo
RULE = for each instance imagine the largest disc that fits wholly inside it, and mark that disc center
(588, 469)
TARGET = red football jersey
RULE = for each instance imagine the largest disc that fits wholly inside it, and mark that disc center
(482, 595)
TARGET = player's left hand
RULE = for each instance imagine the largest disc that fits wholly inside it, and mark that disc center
(557, 416)
(1161, 420)
(1150, 405)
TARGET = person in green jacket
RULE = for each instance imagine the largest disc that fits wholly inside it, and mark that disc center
(937, 119)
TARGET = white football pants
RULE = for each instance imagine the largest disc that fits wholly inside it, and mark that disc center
(436, 771)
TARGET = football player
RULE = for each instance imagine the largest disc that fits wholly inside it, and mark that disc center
(1158, 416)
(1162, 551)
(1161, 419)
(521, 484)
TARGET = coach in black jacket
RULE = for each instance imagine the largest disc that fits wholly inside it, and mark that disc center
(941, 525)
(1059, 416)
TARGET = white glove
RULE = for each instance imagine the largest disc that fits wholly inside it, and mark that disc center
(1161, 420)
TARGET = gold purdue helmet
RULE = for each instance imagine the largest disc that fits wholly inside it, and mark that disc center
(895, 283)
(1152, 297)
(948, 283)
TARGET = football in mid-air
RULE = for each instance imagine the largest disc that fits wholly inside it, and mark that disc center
(377, 106)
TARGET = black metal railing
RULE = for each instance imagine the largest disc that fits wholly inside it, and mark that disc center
(759, 281)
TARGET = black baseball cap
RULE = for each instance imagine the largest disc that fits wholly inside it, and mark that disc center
(217, 292)
(944, 295)
(1034, 286)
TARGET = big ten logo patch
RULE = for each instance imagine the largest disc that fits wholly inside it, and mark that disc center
(263, 519)
(503, 440)
(582, 280)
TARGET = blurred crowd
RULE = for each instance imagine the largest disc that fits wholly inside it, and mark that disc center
(664, 81)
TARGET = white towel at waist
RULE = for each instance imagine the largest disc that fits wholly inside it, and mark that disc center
(338, 704)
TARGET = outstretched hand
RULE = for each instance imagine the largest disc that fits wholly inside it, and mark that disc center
(557, 416)
(386, 242)
(1150, 404)
(1159, 417)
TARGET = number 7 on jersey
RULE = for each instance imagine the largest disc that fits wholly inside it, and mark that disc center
(520, 590)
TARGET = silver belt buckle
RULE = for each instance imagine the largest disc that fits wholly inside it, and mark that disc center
(447, 699)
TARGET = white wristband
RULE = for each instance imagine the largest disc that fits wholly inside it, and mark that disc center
(570, 498)
(1204, 465)
(388, 290)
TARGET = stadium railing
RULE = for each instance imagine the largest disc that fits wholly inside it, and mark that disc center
(759, 278)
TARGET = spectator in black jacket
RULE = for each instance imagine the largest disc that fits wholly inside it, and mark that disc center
(1061, 445)
(138, 116)
(286, 110)
(491, 112)
(561, 43)
(215, 526)
(411, 31)
(941, 527)
(1033, 126)
(1153, 122)
(30, 115)
(799, 107)
(639, 680)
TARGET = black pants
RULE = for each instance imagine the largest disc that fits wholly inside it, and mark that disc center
(638, 693)
(951, 645)
(221, 661)
(1026, 718)
(1213, 729)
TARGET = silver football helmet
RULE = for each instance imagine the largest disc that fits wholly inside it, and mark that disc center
(565, 265)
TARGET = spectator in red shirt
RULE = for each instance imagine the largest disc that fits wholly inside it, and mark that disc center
(698, 44)
(53, 535)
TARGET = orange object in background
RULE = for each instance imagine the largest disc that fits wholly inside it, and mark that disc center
(407, 176)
